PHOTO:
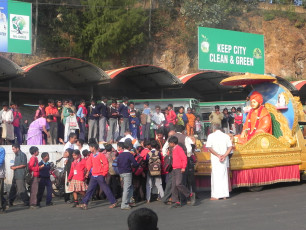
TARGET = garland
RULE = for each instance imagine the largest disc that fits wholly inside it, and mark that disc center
(251, 133)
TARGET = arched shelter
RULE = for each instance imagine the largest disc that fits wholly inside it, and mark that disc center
(206, 86)
(142, 81)
(58, 77)
(9, 70)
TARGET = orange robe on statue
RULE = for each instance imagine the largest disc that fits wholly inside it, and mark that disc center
(264, 124)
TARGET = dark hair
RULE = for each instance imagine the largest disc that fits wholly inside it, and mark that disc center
(77, 152)
(114, 101)
(82, 101)
(81, 141)
(92, 140)
(146, 103)
(225, 109)
(154, 144)
(146, 143)
(179, 128)
(94, 145)
(160, 131)
(93, 100)
(131, 103)
(71, 135)
(124, 99)
(181, 107)
(70, 151)
(33, 150)
(85, 153)
(233, 108)
(217, 107)
(108, 147)
(189, 108)
(143, 218)
(41, 102)
(170, 105)
(50, 117)
(103, 98)
(173, 139)
(50, 101)
(120, 144)
(128, 143)
(13, 103)
(44, 154)
(157, 107)
(239, 109)
(16, 145)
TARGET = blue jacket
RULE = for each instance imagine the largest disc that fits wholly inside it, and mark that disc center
(44, 172)
(123, 111)
(2, 162)
(103, 110)
(125, 162)
(92, 111)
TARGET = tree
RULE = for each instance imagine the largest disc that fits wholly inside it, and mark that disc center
(111, 29)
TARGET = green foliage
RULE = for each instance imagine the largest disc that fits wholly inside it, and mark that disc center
(210, 13)
(268, 16)
(111, 28)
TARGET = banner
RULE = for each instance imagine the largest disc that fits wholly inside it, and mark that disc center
(15, 27)
(225, 50)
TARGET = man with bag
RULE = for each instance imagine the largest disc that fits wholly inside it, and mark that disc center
(154, 171)
(145, 118)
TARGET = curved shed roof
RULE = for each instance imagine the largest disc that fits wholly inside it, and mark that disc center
(73, 70)
(9, 69)
(145, 76)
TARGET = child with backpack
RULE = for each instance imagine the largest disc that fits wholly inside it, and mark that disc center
(76, 177)
(112, 178)
(139, 175)
(154, 171)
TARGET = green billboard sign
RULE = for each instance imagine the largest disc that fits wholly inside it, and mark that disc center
(15, 27)
(232, 51)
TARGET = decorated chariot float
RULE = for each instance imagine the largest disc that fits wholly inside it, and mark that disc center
(271, 147)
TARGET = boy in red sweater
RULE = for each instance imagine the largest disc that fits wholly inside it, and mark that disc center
(179, 163)
(34, 168)
(99, 165)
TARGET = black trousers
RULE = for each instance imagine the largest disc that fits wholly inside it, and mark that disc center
(2, 199)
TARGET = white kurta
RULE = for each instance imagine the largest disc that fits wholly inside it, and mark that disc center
(219, 142)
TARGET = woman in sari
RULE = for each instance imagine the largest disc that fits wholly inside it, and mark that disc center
(36, 129)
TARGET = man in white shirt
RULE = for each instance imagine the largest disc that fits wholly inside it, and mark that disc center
(220, 146)
(158, 119)
(7, 126)
(128, 135)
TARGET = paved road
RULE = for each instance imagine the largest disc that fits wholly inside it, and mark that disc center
(276, 207)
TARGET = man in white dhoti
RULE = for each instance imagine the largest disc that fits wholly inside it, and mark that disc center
(220, 146)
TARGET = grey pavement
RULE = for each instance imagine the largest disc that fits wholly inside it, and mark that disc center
(281, 206)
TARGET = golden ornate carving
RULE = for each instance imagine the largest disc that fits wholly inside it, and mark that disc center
(300, 110)
(287, 132)
(254, 145)
(265, 160)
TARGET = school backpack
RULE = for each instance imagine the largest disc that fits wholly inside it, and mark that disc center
(139, 170)
(167, 167)
(28, 176)
(154, 164)
(115, 166)
(110, 163)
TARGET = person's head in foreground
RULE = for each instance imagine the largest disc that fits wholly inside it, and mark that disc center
(143, 218)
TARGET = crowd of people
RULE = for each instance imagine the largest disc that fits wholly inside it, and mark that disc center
(52, 124)
(151, 150)
(231, 122)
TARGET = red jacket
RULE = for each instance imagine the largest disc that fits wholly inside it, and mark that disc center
(179, 158)
(171, 118)
(144, 153)
(77, 171)
(98, 163)
(33, 166)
